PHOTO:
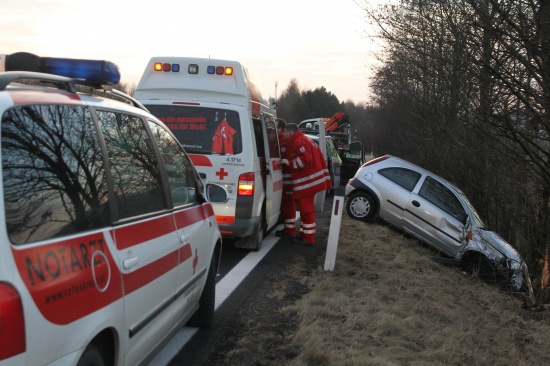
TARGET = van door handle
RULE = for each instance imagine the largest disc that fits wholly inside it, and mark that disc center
(184, 238)
(130, 262)
(416, 203)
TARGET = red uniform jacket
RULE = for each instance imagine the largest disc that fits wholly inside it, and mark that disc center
(222, 142)
(308, 166)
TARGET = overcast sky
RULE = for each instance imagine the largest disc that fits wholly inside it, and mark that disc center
(318, 42)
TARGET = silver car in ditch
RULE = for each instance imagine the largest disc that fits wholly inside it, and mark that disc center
(436, 212)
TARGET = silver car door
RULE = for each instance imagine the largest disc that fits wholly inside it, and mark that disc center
(435, 215)
(395, 186)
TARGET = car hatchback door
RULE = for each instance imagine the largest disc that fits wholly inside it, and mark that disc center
(435, 215)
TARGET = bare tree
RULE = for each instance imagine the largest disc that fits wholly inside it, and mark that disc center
(464, 89)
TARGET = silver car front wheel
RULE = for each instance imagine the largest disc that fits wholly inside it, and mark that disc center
(361, 206)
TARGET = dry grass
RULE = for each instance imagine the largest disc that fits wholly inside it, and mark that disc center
(387, 303)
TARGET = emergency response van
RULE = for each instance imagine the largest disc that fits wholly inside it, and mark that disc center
(108, 241)
(227, 126)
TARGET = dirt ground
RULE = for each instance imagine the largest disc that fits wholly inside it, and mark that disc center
(385, 303)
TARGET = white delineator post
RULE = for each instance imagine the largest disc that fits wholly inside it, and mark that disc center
(334, 230)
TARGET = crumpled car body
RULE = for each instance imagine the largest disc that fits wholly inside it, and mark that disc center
(436, 212)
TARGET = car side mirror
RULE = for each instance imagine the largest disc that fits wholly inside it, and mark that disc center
(216, 193)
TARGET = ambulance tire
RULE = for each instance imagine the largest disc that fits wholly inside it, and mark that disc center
(91, 357)
(254, 240)
(204, 317)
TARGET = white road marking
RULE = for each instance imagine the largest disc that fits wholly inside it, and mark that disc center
(224, 288)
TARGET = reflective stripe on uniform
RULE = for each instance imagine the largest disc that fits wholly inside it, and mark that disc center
(309, 177)
(290, 223)
(309, 185)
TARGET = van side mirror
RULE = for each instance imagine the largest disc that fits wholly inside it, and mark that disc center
(216, 193)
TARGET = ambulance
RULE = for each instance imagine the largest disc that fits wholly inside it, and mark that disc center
(108, 240)
(226, 124)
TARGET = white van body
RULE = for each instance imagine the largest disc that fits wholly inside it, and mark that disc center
(228, 129)
(108, 241)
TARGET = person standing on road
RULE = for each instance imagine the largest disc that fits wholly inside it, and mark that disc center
(288, 205)
(310, 175)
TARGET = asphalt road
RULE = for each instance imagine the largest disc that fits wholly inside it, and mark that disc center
(239, 274)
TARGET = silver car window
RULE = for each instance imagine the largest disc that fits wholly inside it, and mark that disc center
(406, 178)
(442, 197)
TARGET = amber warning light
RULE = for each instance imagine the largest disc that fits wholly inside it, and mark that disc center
(192, 69)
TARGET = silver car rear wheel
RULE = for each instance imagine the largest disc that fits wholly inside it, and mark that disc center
(361, 206)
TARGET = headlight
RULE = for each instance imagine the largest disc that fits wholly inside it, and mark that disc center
(515, 265)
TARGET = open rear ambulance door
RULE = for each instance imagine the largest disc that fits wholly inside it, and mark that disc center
(320, 196)
(273, 172)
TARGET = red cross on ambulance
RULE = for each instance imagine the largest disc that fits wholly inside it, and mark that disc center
(222, 173)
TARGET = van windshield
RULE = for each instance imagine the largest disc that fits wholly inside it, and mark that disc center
(201, 130)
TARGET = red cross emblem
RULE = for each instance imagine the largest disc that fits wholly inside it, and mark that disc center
(222, 173)
(195, 261)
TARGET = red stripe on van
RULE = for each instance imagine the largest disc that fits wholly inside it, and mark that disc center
(277, 164)
(208, 209)
(136, 279)
(200, 160)
(185, 253)
(60, 278)
(43, 97)
(189, 217)
(278, 185)
(130, 235)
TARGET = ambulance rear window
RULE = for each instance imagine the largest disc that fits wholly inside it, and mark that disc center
(202, 130)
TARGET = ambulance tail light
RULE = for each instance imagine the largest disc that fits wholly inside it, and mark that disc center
(246, 184)
(12, 322)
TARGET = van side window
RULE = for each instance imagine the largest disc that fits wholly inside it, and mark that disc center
(273, 140)
(179, 168)
(259, 136)
(52, 168)
(134, 169)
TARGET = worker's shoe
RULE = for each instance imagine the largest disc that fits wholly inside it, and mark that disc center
(283, 234)
(301, 241)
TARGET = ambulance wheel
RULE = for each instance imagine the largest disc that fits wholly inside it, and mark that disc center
(255, 240)
(91, 357)
(204, 317)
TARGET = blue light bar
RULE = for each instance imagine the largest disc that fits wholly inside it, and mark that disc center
(94, 71)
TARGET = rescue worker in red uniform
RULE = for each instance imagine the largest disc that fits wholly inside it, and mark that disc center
(288, 205)
(310, 175)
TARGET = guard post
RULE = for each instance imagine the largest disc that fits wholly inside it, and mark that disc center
(334, 230)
